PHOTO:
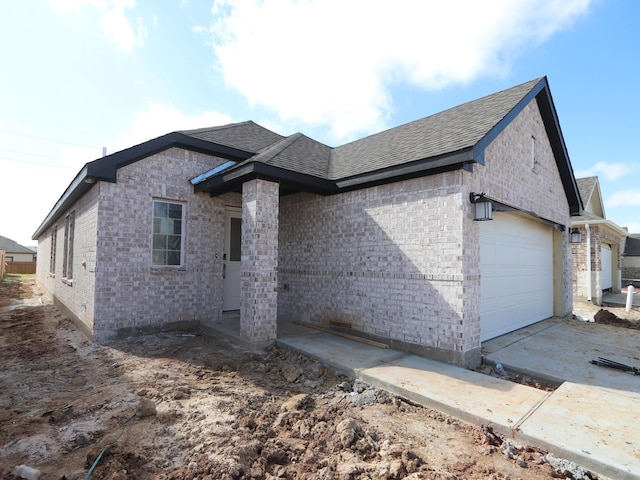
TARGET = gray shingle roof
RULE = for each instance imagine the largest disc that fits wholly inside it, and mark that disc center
(585, 187)
(632, 246)
(298, 153)
(248, 136)
(446, 132)
(11, 246)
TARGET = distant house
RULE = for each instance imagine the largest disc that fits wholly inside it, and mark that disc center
(631, 261)
(597, 259)
(14, 252)
(377, 236)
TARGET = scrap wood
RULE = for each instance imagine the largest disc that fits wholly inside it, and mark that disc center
(345, 335)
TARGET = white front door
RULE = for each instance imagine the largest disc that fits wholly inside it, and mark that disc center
(231, 258)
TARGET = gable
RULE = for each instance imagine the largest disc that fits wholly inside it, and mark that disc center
(589, 188)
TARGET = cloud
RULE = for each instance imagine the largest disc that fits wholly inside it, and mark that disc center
(112, 17)
(159, 119)
(624, 198)
(610, 171)
(330, 62)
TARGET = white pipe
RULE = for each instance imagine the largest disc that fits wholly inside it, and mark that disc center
(629, 298)
(590, 281)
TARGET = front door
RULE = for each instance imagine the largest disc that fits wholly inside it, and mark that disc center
(231, 258)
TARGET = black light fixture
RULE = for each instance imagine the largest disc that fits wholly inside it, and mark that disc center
(484, 208)
(576, 236)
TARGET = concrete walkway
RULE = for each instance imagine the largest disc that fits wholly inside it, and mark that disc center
(595, 426)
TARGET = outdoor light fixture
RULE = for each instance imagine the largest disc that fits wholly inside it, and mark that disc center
(576, 236)
(484, 208)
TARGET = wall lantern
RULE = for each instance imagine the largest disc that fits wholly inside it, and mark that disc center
(484, 208)
(576, 236)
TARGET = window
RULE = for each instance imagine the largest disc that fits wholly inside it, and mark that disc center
(533, 152)
(167, 234)
(52, 254)
(67, 263)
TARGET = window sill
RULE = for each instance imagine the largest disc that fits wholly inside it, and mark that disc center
(68, 281)
(166, 269)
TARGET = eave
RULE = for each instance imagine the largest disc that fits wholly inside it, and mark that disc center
(293, 182)
(105, 168)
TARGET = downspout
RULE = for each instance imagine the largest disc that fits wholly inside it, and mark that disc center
(590, 281)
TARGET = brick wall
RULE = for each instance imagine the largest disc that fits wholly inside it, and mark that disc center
(385, 261)
(580, 281)
(115, 290)
(258, 311)
(401, 261)
(132, 295)
(75, 295)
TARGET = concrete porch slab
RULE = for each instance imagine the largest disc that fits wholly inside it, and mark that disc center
(346, 356)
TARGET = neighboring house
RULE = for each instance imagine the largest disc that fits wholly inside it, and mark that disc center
(597, 259)
(631, 261)
(14, 252)
(376, 236)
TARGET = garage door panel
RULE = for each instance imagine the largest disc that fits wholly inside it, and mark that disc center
(516, 265)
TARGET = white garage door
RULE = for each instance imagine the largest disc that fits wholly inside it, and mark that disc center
(605, 261)
(516, 268)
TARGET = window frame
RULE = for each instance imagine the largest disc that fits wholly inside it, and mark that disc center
(166, 265)
(69, 240)
(52, 253)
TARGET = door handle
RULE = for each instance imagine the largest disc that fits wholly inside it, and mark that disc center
(224, 271)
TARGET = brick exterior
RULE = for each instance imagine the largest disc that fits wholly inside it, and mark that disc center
(399, 261)
(119, 292)
(76, 297)
(580, 278)
(259, 304)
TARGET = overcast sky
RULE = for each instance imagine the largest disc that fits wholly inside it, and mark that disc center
(80, 75)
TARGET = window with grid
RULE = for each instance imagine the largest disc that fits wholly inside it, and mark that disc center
(167, 233)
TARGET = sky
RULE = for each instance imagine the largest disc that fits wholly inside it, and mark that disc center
(81, 76)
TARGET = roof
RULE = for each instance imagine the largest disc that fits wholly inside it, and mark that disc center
(589, 188)
(453, 139)
(632, 246)
(586, 186)
(454, 130)
(594, 214)
(11, 246)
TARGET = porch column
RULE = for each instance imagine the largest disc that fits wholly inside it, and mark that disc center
(259, 268)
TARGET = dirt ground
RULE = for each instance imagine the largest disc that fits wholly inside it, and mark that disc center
(186, 406)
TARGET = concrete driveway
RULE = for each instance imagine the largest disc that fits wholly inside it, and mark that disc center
(560, 350)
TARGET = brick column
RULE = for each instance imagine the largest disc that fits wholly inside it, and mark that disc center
(259, 269)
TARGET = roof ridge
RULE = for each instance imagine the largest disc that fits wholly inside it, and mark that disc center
(277, 147)
(217, 127)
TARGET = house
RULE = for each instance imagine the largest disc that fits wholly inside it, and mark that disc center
(597, 258)
(14, 252)
(631, 261)
(377, 236)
